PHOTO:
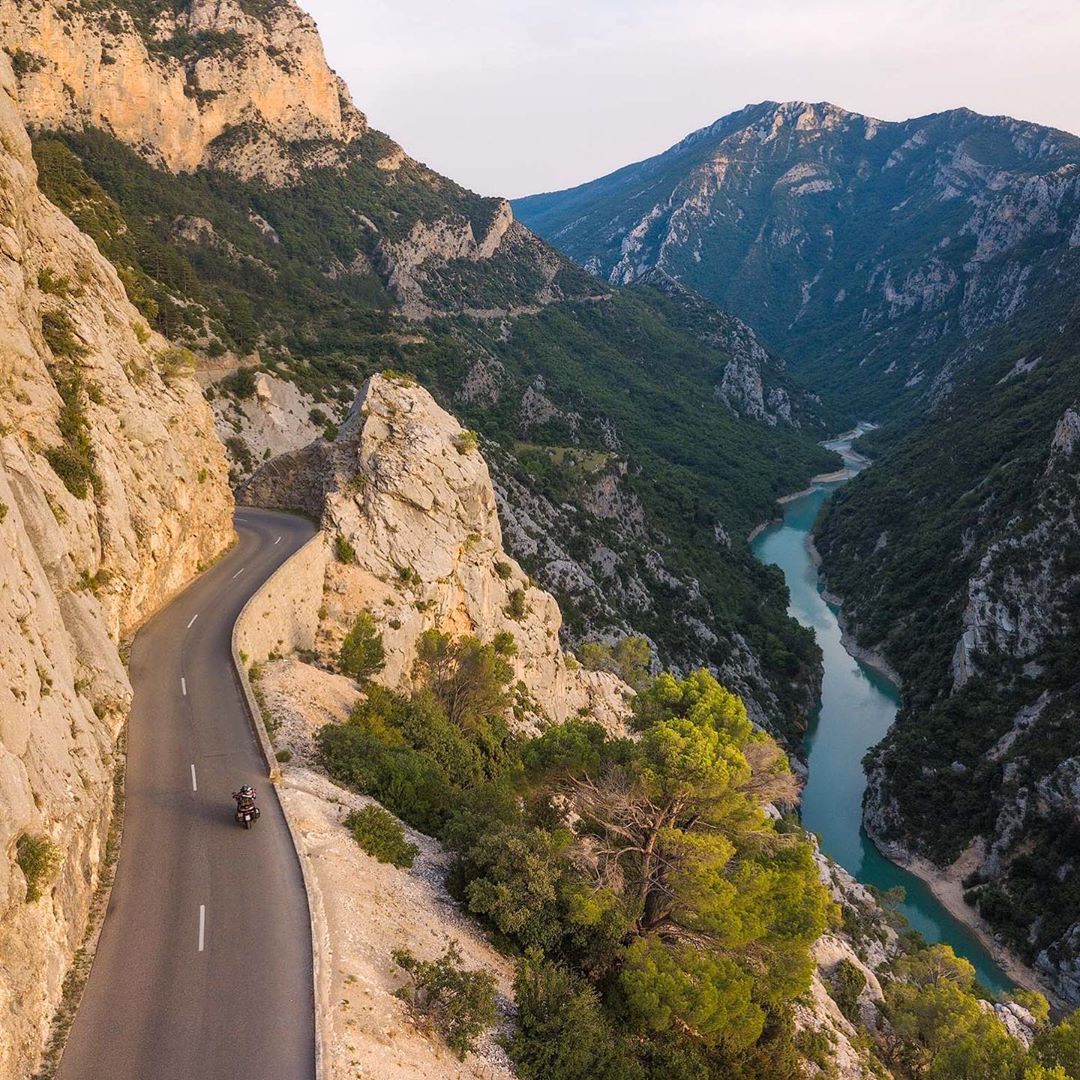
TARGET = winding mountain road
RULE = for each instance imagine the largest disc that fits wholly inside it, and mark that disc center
(204, 969)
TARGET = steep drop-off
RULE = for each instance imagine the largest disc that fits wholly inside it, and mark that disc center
(112, 493)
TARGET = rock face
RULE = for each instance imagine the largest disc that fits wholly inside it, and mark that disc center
(205, 84)
(842, 239)
(90, 395)
(1019, 597)
(752, 383)
(407, 489)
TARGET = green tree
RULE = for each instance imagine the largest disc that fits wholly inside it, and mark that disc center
(630, 658)
(515, 877)
(362, 655)
(467, 677)
(938, 1029)
(562, 1033)
(1059, 1046)
(726, 907)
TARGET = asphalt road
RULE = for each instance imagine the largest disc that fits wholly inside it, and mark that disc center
(203, 970)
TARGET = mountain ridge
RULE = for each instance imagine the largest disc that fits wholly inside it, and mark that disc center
(840, 238)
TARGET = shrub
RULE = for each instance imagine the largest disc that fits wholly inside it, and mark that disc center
(381, 835)
(73, 461)
(562, 1033)
(24, 63)
(176, 362)
(362, 654)
(344, 552)
(516, 607)
(411, 783)
(240, 452)
(629, 658)
(409, 577)
(504, 643)
(457, 1003)
(241, 383)
(503, 569)
(59, 333)
(38, 858)
(54, 286)
(466, 442)
(846, 983)
(284, 756)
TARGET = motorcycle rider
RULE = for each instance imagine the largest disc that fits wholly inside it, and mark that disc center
(245, 800)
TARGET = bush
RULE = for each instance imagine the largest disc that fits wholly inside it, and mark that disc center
(362, 654)
(846, 983)
(241, 452)
(411, 783)
(344, 552)
(457, 1003)
(380, 834)
(54, 286)
(562, 1033)
(630, 658)
(467, 677)
(241, 383)
(38, 858)
(176, 362)
(503, 569)
(73, 461)
(466, 442)
(59, 333)
(516, 607)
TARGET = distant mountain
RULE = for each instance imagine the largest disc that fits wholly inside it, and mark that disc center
(870, 254)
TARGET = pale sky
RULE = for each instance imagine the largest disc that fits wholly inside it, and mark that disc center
(510, 97)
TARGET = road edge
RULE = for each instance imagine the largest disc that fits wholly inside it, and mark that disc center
(316, 912)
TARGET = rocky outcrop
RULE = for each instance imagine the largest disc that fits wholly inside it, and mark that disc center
(1020, 595)
(405, 495)
(199, 84)
(752, 383)
(277, 417)
(113, 493)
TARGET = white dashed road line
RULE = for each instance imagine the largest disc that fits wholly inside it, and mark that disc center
(202, 926)
(277, 541)
(193, 618)
(183, 686)
(194, 782)
(238, 573)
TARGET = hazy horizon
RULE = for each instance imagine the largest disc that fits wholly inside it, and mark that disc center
(512, 100)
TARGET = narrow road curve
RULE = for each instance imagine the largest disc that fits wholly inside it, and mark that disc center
(203, 970)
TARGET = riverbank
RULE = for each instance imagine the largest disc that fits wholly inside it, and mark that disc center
(946, 883)
(860, 696)
(871, 658)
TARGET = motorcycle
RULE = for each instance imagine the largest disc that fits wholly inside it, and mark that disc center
(247, 815)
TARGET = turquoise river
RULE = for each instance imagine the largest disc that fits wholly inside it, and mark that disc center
(857, 707)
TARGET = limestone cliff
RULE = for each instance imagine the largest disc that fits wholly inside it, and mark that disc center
(216, 82)
(405, 495)
(112, 492)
